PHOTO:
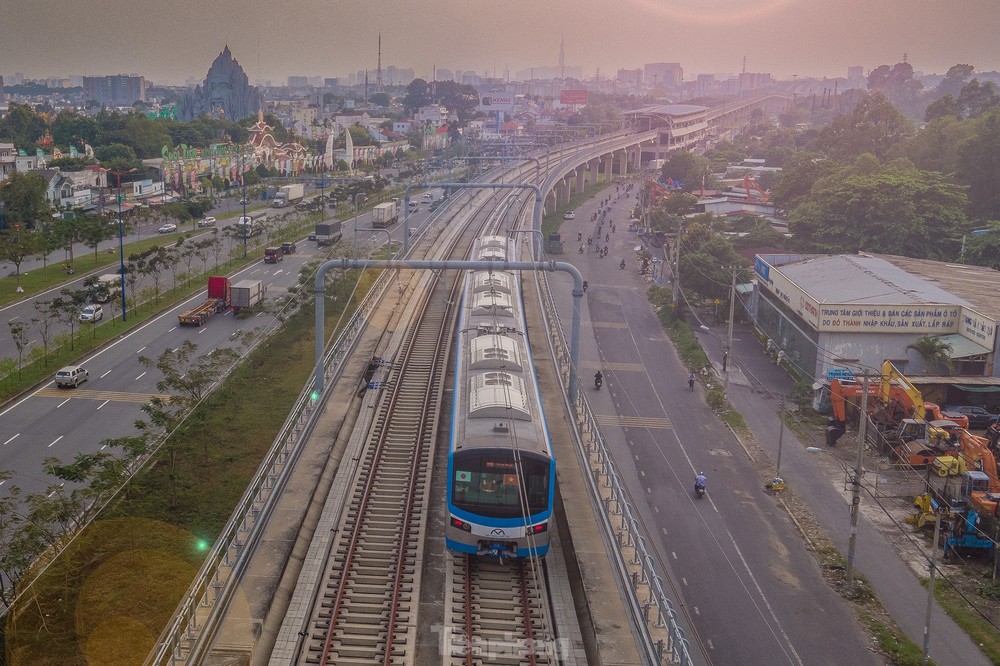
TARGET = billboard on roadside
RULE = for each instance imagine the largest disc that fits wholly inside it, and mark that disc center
(573, 96)
(499, 101)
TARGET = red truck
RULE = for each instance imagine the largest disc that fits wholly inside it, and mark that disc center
(219, 294)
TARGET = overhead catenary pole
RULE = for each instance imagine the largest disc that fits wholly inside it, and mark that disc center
(856, 480)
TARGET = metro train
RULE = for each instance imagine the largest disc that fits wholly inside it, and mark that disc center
(501, 468)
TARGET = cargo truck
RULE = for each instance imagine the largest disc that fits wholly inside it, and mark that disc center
(219, 295)
(246, 294)
(384, 215)
(106, 288)
(328, 233)
(250, 226)
(289, 194)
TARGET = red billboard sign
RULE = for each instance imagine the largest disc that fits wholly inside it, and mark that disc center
(573, 97)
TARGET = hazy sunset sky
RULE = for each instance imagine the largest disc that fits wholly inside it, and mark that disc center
(170, 40)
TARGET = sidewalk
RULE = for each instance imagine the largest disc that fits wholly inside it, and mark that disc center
(755, 385)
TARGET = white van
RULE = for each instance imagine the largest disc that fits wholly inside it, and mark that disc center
(428, 197)
(71, 375)
(414, 205)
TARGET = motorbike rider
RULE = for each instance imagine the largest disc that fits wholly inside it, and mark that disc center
(598, 379)
(691, 381)
(622, 265)
(585, 285)
(700, 481)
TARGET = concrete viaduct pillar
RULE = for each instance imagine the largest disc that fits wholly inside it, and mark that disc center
(608, 164)
(579, 179)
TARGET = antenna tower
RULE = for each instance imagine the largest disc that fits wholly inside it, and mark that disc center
(378, 75)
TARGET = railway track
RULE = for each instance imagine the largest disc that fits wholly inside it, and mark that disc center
(366, 611)
(498, 614)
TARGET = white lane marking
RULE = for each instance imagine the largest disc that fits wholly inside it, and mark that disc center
(140, 376)
(105, 375)
(696, 611)
(140, 350)
(12, 439)
(55, 440)
(673, 554)
(103, 403)
(684, 580)
(711, 645)
(656, 508)
(63, 403)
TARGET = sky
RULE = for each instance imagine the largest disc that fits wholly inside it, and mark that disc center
(168, 41)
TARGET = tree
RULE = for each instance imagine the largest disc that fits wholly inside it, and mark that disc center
(94, 230)
(979, 166)
(44, 323)
(117, 157)
(19, 332)
(686, 168)
(894, 208)
(935, 147)
(875, 126)
(72, 129)
(23, 126)
(380, 99)
(934, 351)
(984, 249)
(15, 246)
(23, 196)
(461, 99)
(978, 98)
(417, 95)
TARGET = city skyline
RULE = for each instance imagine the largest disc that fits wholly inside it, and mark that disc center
(315, 38)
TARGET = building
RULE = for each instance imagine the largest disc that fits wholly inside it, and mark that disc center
(119, 90)
(837, 314)
(298, 81)
(8, 160)
(631, 76)
(663, 74)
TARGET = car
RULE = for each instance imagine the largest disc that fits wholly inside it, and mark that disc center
(206, 222)
(94, 313)
(167, 228)
(288, 248)
(979, 418)
(312, 235)
(273, 255)
(569, 215)
(71, 375)
(244, 201)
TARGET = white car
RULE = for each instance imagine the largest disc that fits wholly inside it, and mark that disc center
(94, 313)
(207, 222)
(167, 228)
(71, 375)
(570, 215)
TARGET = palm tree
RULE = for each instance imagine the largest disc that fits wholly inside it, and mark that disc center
(934, 351)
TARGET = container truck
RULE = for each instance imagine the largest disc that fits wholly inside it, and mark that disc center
(384, 215)
(250, 226)
(328, 233)
(246, 294)
(219, 294)
(289, 194)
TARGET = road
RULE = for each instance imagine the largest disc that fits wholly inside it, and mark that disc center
(743, 577)
(52, 422)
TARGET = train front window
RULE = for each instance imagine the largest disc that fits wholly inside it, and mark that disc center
(488, 484)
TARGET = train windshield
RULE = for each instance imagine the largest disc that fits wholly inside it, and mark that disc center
(486, 483)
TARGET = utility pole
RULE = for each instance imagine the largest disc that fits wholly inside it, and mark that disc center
(856, 480)
(930, 590)
(677, 270)
(728, 359)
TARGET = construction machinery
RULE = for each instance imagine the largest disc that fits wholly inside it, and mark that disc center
(751, 185)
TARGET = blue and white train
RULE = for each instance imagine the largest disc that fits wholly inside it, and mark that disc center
(501, 469)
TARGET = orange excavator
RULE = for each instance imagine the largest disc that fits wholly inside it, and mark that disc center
(891, 399)
(752, 185)
(978, 457)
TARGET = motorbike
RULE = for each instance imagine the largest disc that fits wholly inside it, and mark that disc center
(598, 382)
(699, 491)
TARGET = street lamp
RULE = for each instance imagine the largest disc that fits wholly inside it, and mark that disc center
(121, 242)
(365, 197)
(243, 179)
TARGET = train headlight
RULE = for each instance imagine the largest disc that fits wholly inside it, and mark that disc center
(539, 528)
(460, 524)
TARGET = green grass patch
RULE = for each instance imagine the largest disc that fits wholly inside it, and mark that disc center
(982, 632)
(106, 598)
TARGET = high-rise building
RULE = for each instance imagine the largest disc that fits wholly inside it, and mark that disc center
(629, 76)
(119, 90)
(298, 81)
(663, 74)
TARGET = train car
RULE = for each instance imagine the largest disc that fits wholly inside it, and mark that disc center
(501, 469)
